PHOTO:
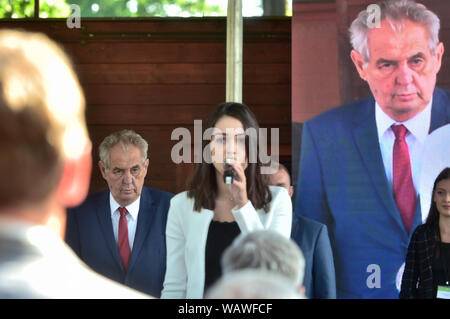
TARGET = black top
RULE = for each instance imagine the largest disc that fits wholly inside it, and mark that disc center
(441, 266)
(220, 236)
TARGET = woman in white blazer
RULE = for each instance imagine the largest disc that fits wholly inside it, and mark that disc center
(203, 221)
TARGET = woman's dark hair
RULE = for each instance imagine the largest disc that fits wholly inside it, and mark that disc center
(202, 185)
(433, 215)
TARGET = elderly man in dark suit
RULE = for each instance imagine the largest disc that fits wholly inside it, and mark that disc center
(360, 163)
(120, 232)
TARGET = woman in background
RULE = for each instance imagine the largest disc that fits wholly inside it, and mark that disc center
(203, 221)
(427, 268)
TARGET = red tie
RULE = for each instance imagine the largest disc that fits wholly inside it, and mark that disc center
(404, 193)
(124, 245)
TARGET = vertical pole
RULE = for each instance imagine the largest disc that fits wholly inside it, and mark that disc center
(344, 65)
(234, 51)
(36, 9)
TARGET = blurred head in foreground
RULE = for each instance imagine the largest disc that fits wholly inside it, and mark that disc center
(266, 250)
(253, 284)
(45, 149)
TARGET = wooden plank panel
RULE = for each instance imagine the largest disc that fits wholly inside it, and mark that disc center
(182, 73)
(104, 114)
(162, 185)
(107, 114)
(183, 171)
(263, 94)
(263, 52)
(264, 24)
(169, 24)
(154, 94)
(57, 28)
(188, 25)
(180, 52)
(274, 73)
(151, 73)
(147, 52)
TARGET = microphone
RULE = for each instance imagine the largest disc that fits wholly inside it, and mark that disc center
(228, 174)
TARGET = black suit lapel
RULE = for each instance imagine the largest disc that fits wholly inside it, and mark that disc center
(366, 138)
(103, 211)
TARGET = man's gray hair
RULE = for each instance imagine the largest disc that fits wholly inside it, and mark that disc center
(125, 138)
(394, 11)
(265, 249)
(253, 284)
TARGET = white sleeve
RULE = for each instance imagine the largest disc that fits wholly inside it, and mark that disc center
(175, 279)
(279, 217)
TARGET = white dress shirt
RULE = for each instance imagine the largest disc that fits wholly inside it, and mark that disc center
(418, 128)
(132, 216)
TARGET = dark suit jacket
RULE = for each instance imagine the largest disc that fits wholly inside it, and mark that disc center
(342, 183)
(90, 234)
(419, 264)
(312, 238)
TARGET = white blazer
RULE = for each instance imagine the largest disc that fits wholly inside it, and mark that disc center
(187, 232)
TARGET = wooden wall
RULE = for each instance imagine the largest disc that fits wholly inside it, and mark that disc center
(155, 75)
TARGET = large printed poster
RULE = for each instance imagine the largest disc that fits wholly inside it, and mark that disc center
(347, 181)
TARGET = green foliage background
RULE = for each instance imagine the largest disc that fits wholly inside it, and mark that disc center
(107, 8)
(145, 8)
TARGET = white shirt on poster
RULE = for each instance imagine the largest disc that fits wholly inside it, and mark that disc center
(436, 157)
(418, 128)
